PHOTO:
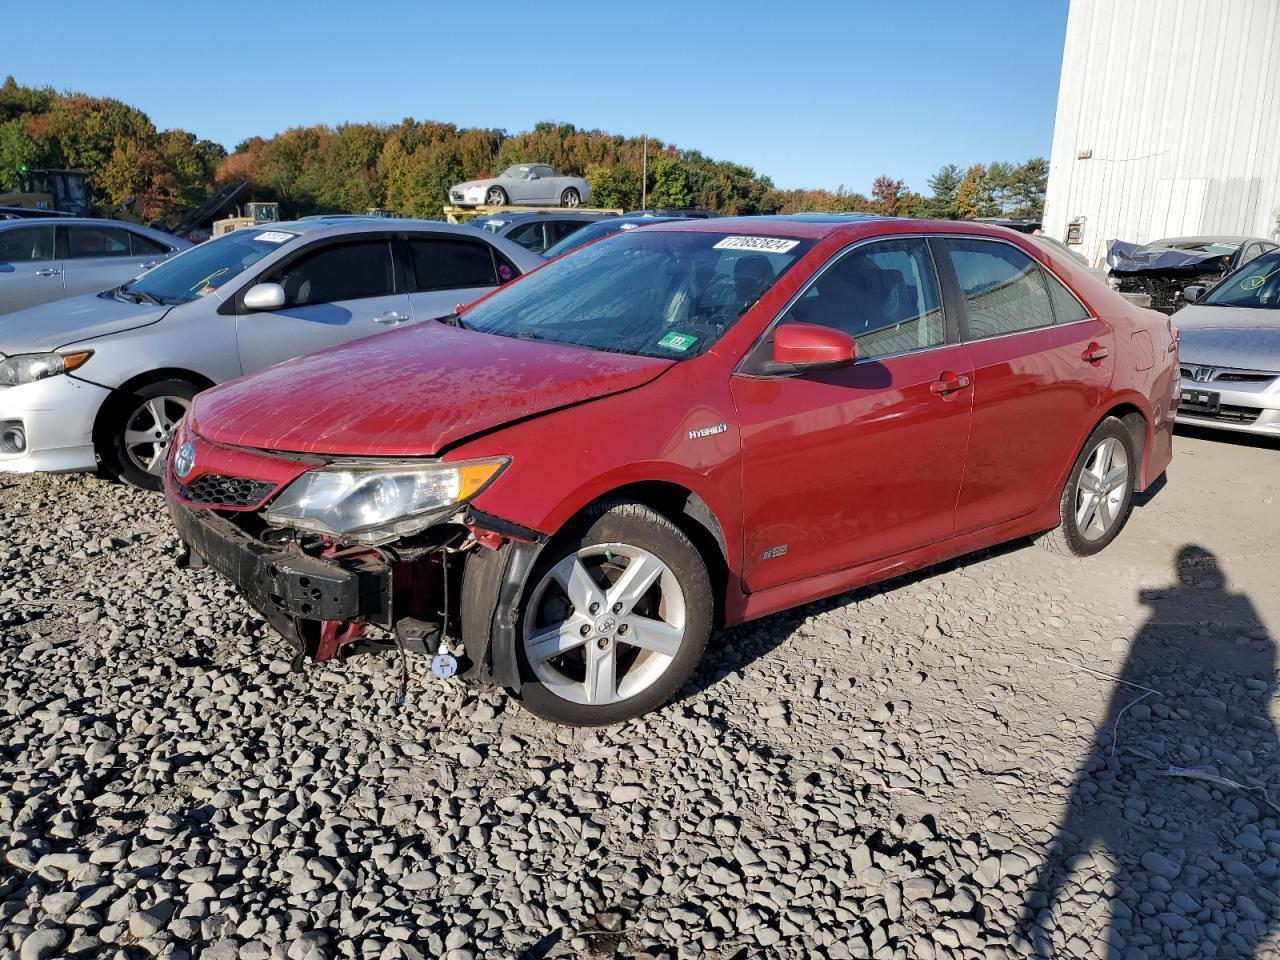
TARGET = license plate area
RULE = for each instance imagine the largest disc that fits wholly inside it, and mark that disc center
(1201, 401)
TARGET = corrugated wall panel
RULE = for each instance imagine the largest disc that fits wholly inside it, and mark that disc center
(1178, 102)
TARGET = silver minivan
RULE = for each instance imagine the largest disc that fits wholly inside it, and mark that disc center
(44, 259)
(103, 379)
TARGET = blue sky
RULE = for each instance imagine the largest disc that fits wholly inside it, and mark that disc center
(813, 94)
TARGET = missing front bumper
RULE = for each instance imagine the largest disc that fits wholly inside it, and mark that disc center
(283, 584)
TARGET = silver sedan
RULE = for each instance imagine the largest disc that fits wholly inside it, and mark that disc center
(103, 379)
(1230, 351)
(48, 259)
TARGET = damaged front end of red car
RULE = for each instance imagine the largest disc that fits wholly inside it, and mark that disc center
(332, 594)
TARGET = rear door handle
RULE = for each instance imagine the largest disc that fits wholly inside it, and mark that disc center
(49, 272)
(948, 383)
(391, 316)
(1095, 352)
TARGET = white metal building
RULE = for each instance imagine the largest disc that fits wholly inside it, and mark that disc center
(1168, 122)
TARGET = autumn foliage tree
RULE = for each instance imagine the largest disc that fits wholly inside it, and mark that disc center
(409, 166)
(127, 159)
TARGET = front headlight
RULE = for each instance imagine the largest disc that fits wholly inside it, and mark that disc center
(30, 367)
(376, 502)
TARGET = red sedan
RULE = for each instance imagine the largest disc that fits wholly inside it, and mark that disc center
(566, 488)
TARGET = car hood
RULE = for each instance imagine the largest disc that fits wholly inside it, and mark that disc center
(1237, 337)
(476, 183)
(59, 323)
(1131, 259)
(412, 392)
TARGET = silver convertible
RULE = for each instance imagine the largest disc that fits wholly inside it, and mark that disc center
(103, 379)
(1230, 351)
(527, 184)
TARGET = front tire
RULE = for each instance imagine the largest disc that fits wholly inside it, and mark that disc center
(1098, 497)
(615, 618)
(138, 428)
(496, 197)
(571, 198)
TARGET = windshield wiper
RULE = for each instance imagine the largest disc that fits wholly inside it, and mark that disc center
(135, 296)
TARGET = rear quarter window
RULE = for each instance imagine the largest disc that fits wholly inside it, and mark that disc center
(1066, 308)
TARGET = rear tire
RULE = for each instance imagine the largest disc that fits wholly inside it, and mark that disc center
(571, 198)
(1098, 497)
(133, 444)
(600, 641)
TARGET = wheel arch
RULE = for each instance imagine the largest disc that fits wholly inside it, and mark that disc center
(494, 582)
(1136, 419)
(108, 406)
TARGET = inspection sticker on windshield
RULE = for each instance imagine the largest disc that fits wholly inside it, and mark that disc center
(762, 244)
(677, 341)
(274, 236)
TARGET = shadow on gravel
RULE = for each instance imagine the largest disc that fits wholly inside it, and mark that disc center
(1169, 818)
(732, 649)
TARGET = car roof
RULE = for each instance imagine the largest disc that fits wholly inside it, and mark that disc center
(818, 226)
(73, 221)
(341, 225)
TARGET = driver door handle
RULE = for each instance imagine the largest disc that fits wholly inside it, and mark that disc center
(49, 272)
(148, 264)
(1095, 352)
(391, 316)
(948, 383)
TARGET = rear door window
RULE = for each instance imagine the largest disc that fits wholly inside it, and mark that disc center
(26, 245)
(884, 295)
(1004, 289)
(448, 264)
(346, 271)
(91, 242)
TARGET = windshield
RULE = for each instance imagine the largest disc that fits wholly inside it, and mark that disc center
(201, 270)
(646, 293)
(1256, 284)
(517, 171)
(594, 231)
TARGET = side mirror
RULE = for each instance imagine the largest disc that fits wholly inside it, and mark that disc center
(1193, 293)
(264, 296)
(807, 346)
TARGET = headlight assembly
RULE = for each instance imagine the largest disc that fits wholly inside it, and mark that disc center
(377, 502)
(30, 367)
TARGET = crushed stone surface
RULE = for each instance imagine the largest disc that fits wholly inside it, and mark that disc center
(1010, 755)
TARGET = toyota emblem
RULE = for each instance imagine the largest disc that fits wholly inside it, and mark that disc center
(183, 461)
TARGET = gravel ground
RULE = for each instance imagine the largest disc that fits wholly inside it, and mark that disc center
(1010, 755)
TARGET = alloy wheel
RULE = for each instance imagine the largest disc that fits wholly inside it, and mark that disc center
(571, 198)
(495, 197)
(1101, 489)
(148, 431)
(604, 624)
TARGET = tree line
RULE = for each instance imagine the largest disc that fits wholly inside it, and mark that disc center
(408, 167)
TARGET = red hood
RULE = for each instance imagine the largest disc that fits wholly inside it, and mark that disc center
(410, 392)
